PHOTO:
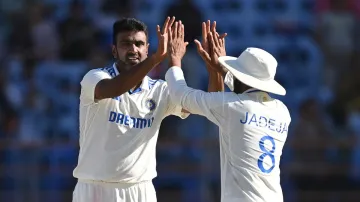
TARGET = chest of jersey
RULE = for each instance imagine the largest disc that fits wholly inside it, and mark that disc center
(134, 110)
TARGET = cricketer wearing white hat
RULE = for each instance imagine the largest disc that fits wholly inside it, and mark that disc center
(253, 126)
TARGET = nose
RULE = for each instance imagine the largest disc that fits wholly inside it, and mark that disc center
(133, 48)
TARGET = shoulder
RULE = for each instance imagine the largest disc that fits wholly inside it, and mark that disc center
(249, 102)
(284, 109)
(243, 99)
(156, 83)
(95, 75)
(103, 70)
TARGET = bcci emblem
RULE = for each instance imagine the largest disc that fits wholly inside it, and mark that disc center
(150, 104)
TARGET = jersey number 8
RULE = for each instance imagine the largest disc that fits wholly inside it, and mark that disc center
(266, 153)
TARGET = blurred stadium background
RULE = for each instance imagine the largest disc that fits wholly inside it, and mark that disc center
(46, 46)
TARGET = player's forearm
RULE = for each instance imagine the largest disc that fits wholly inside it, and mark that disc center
(177, 84)
(222, 71)
(188, 98)
(125, 80)
(216, 83)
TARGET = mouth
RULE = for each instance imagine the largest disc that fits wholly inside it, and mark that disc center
(132, 59)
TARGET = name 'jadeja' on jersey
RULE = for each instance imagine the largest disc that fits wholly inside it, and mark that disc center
(265, 122)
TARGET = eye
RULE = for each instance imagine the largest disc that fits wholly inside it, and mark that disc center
(139, 43)
(125, 43)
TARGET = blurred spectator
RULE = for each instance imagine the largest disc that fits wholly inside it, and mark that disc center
(8, 7)
(351, 5)
(117, 7)
(31, 131)
(44, 33)
(19, 40)
(336, 37)
(8, 124)
(110, 11)
(18, 71)
(77, 34)
(8, 116)
(311, 141)
(191, 17)
(354, 125)
(98, 58)
(346, 91)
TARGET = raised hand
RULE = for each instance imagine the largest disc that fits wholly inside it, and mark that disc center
(163, 37)
(205, 32)
(216, 46)
(203, 48)
(176, 45)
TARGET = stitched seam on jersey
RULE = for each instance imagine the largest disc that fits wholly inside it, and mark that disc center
(86, 120)
(91, 121)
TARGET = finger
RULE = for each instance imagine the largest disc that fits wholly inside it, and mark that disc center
(171, 22)
(215, 38)
(158, 32)
(213, 26)
(222, 39)
(208, 26)
(198, 45)
(211, 44)
(170, 34)
(165, 25)
(223, 35)
(210, 39)
(204, 55)
(179, 30)
(183, 32)
(204, 33)
(175, 30)
(219, 39)
(186, 43)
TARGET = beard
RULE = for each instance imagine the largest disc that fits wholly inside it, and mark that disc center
(127, 63)
(132, 59)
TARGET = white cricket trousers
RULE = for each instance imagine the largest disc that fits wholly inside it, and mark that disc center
(89, 191)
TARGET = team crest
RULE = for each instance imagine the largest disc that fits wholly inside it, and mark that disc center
(150, 104)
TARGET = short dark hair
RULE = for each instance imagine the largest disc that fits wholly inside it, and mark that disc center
(128, 25)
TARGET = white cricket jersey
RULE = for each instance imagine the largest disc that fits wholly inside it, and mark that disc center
(118, 135)
(253, 129)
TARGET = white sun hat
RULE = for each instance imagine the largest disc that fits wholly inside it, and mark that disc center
(256, 68)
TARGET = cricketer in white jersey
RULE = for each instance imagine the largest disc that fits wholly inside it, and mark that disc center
(253, 126)
(118, 134)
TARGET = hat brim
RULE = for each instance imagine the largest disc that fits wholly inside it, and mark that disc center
(271, 86)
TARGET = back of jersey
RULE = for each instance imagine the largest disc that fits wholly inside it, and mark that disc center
(251, 142)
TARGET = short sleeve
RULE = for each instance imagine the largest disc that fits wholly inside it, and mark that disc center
(173, 108)
(89, 82)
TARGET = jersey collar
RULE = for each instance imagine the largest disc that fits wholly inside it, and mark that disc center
(143, 86)
(258, 94)
(115, 69)
(252, 90)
